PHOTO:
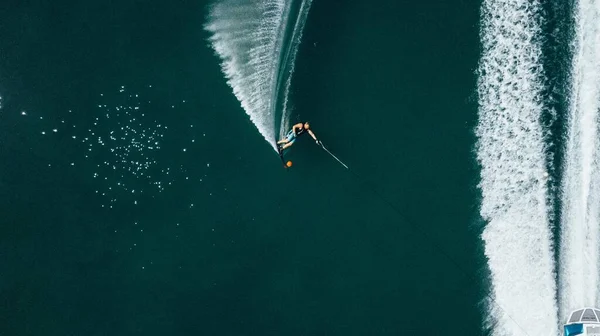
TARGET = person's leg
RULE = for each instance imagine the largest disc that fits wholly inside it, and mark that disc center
(287, 145)
(288, 141)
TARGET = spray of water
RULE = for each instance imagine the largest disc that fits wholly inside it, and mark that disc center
(512, 153)
(291, 62)
(257, 41)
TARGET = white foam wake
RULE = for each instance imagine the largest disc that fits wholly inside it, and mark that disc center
(293, 50)
(257, 43)
(580, 189)
(512, 154)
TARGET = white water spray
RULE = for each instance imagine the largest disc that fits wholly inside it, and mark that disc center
(512, 154)
(581, 190)
(257, 41)
(292, 51)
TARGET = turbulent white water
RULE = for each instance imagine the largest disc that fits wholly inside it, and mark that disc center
(512, 153)
(257, 41)
(291, 61)
(581, 190)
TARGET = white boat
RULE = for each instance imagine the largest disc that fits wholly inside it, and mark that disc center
(584, 322)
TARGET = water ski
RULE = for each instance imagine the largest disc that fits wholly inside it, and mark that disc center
(280, 152)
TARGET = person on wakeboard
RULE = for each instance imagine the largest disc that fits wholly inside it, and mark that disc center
(296, 131)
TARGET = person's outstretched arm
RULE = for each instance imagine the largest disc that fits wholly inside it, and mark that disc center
(313, 136)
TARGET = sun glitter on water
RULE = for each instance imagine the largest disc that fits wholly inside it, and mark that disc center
(120, 141)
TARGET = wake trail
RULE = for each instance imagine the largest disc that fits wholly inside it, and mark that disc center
(292, 52)
(513, 156)
(581, 181)
(257, 41)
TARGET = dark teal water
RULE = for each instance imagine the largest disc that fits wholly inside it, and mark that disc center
(236, 245)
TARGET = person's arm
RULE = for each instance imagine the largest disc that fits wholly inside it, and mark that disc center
(314, 137)
(295, 128)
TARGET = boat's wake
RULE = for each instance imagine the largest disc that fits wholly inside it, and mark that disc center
(513, 157)
(580, 226)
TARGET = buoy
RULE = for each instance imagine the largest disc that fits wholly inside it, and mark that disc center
(289, 164)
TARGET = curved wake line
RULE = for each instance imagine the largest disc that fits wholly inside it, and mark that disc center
(255, 42)
(512, 153)
(579, 263)
(296, 38)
